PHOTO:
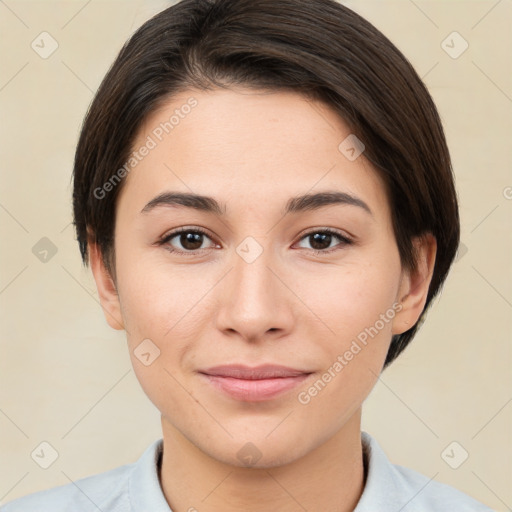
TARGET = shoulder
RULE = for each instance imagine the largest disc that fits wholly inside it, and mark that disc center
(392, 487)
(427, 494)
(104, 491)
(84, 495)
(115, 490)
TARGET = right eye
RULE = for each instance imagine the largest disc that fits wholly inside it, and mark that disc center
(191, 240)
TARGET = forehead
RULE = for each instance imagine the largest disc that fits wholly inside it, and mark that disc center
(247, 147)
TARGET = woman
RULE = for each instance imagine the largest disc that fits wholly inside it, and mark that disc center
(264, 194)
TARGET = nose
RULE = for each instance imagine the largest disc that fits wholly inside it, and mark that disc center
(254, 301)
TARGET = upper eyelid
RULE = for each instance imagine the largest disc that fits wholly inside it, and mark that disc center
(333, 231)
(175, 232)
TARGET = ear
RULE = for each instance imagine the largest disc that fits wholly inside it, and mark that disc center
(414, 285)
(109, 298)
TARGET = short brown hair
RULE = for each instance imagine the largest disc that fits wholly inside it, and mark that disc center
(318, 48)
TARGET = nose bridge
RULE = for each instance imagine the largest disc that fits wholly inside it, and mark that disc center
(254, 300)
(252, 279)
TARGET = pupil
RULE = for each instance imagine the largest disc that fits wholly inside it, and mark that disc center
(191, 238)
(321, 238)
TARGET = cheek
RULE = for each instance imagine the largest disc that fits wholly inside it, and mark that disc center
(169, 304)
(337, 309)
(161, 321)
(158, 305)
(353, 297)
(359, 306)
(160, 299)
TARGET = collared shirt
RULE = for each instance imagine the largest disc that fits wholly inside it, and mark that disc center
(136, 488)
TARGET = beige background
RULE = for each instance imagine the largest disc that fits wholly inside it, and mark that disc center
(65, 376)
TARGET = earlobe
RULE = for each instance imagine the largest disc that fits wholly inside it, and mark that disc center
(109, 298)
(414, 286)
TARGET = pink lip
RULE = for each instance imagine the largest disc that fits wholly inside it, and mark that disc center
(254, 384)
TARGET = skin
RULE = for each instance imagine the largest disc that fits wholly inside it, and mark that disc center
(253, 151)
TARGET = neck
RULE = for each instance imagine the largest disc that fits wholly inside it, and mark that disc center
(330, 477)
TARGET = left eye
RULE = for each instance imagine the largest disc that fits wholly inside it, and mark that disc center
(321, 240)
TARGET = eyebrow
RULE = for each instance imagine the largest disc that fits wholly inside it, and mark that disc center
(294, 205)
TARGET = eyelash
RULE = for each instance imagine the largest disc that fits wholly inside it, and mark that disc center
(168, 237)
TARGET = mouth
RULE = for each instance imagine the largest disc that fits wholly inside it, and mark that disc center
(256, 384)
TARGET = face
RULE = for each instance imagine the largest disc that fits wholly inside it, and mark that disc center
(255, 277)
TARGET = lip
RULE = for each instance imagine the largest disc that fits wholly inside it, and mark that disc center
(254, 384)
(264, 371)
